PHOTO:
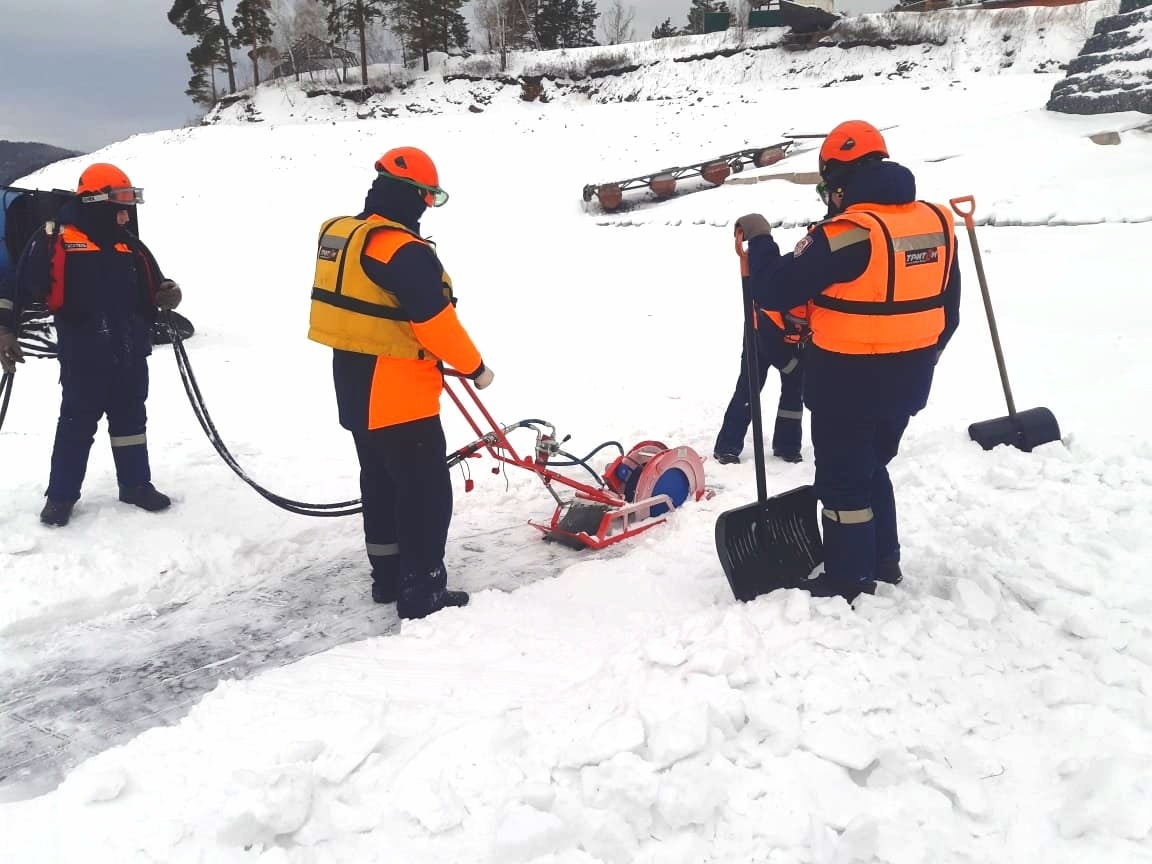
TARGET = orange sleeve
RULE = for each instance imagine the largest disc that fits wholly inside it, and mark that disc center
(445, 336)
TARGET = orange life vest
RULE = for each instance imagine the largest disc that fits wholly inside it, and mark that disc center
(897, 303)
(70, 240)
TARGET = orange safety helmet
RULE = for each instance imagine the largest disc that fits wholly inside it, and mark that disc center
(415, 167)
(104, 182)
(849, 142)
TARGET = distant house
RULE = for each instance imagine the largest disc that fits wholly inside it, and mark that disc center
(803, 17)
(311, 54)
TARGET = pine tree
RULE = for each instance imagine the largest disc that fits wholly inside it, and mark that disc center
(347, 17)
(458, 28)
(550, 24)
(697, 11)
(202, 83)
(665, 30)
(449, 24)
(414, 23)
(559, 24)
(429, 25)
(253, 27)
(586, 27)
(204, 19)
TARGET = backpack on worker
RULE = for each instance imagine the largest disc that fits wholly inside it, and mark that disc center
(23, 212)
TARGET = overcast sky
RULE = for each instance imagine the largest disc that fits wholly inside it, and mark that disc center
(79, 75)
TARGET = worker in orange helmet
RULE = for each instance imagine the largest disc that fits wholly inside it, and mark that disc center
(104, 287)
(882, 282)
(384, 304)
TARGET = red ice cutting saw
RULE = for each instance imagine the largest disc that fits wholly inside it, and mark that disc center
(637, 490)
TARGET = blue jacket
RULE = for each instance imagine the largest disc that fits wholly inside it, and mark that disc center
(107, 304)
(880, 384)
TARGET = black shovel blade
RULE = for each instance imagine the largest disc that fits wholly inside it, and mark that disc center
(763, 547)
(1023, 430)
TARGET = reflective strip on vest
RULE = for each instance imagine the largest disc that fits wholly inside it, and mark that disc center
(349, 311)
(897, 303)
(6, 304)
(847, 238)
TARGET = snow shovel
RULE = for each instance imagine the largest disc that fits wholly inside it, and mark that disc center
(774, 542)
(1022, 429)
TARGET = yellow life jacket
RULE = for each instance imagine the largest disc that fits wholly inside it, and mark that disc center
(350, 311)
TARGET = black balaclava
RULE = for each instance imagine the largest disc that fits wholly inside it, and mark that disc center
(98, 221)
(396, 200)
(839, 176)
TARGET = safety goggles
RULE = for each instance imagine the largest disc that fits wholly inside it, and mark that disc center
(127, 195)
(434, 196)
(823, 191)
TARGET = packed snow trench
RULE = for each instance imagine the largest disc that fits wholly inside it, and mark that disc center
(214, 683)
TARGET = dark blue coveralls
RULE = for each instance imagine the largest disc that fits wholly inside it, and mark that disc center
(860, 404)
(103, 294)
(405, 484)
(773, 350)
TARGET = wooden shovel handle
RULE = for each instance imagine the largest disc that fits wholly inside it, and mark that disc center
(742, 252)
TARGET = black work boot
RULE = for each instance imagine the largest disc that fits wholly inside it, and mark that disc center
(422, 594)
(383, 590)
(387, 573)
(824, 585)
(57, 512)
(788, 455)
(889, 571)
(440, 600)
(726, 458)
(145, 497)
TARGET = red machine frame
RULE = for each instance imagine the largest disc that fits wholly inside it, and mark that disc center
(596, 516)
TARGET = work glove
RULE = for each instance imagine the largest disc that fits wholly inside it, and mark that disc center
(10, 351)
(753, 225)
(168, 295)
(482, 376)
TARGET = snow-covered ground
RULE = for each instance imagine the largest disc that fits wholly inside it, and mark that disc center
(997, 706)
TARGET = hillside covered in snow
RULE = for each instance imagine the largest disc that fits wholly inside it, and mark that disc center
(925, 48)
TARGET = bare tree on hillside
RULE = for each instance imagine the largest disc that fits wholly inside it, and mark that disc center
(309, 17)
(616, 23)
(487, 15)
(740, 10)
(507, 24)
